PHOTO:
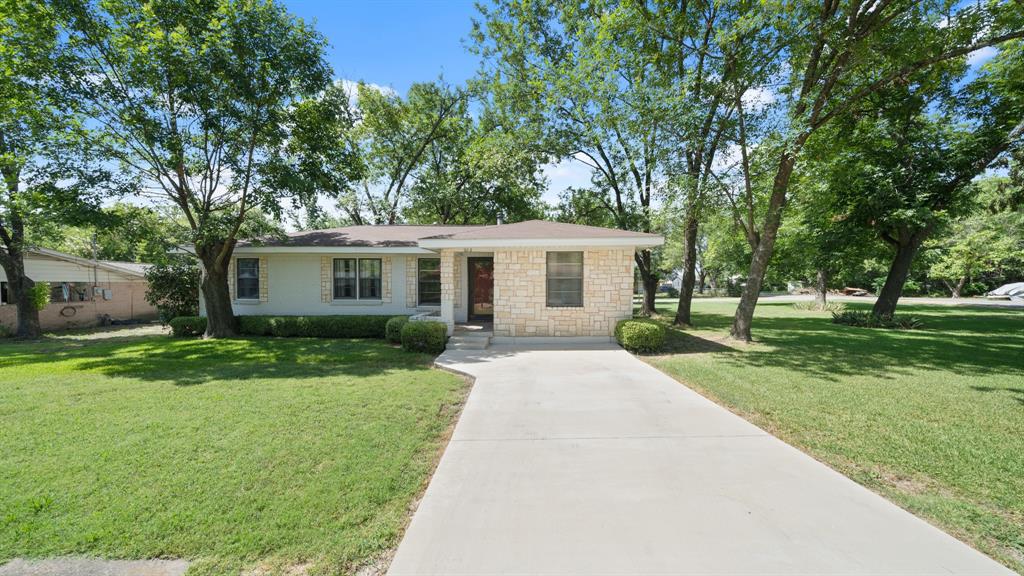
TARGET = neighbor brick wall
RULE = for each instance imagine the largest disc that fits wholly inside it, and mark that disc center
(128, 302)
(520, 294)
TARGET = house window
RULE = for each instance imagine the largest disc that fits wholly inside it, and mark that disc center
(429, 281)
(357, 279)
(61, 292)
(5, 297)
(248, 279)
(565, 279)
(345, 279)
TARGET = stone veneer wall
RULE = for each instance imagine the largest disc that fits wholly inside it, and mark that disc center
(520, 294)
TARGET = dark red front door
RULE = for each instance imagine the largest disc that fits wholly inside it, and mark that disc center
(481, 287)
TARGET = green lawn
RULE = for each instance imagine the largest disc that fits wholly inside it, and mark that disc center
(933, 419)
(238, 454)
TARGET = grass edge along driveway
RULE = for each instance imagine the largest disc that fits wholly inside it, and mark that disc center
(932, 419)
(239, 455)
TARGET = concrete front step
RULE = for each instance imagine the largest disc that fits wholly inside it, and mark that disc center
(469, 342)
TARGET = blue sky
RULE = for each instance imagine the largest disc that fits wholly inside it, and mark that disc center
(396, 43)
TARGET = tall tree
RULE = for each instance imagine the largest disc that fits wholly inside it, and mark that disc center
(580, 74)
(192, 98)
(913, 152)
(123, 231)
(838, 54)
(477, 172)
(702, 50)
(48, 174)
(394, 136)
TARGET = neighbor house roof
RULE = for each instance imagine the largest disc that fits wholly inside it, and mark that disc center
(529, 233)
(137, 269)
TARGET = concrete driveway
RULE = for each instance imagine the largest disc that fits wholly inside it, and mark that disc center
(592, 462)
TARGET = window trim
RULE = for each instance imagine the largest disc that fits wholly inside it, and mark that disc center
(548, 278)
(419, 302)
(238, 278)
(358, 278)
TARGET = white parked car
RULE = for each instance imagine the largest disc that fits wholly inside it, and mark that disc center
(1014, 291)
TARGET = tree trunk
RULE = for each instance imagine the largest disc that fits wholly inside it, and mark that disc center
(822, 288)
(12, 260)
(648, 280)
(220, 318)
(20, 287)
(744, 316)
(906, 249)
(701, 281)
(689, 272)
(650, 283)
(958, 289)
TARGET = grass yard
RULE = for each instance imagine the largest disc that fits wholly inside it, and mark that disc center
(933, 419)
(263, 455)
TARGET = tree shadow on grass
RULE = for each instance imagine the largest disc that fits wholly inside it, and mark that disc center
(187, 362)
(679, 341)
(953, 339)
(1017, 393)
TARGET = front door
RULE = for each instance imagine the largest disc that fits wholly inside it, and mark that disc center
(481, 288)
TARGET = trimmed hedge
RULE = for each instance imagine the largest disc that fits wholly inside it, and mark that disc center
(187, 326)
(393, 329)
(314, 326)
(640, 335)
(424, 336)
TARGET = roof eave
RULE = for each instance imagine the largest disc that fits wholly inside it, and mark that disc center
(330, 250)
(634, 242)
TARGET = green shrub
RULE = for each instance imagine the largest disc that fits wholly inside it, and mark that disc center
(424, 336)
(869, 320)
(5, 332)
(39, 295)
(393, 329)
(813, 306)
(174, 288)
(254, 325)
(640, 335)
(188, 326)
(314, 326)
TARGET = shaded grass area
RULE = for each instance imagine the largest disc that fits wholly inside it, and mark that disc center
(931, 418)
(236, 454)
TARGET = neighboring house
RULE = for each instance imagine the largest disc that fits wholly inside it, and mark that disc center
(82, 291)
(530, 279)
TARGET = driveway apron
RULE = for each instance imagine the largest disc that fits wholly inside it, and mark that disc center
(589, 461)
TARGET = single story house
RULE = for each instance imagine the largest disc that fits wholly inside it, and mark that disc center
(531, 279)
(83, 292)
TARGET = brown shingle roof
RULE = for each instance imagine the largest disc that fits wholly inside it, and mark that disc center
(408, 235)
(401, 235)
(537, 230)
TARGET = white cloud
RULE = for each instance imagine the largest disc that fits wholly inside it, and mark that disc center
(565, 174)
(350, 87)
(727, 158)
(757, 99)
(982, 55)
